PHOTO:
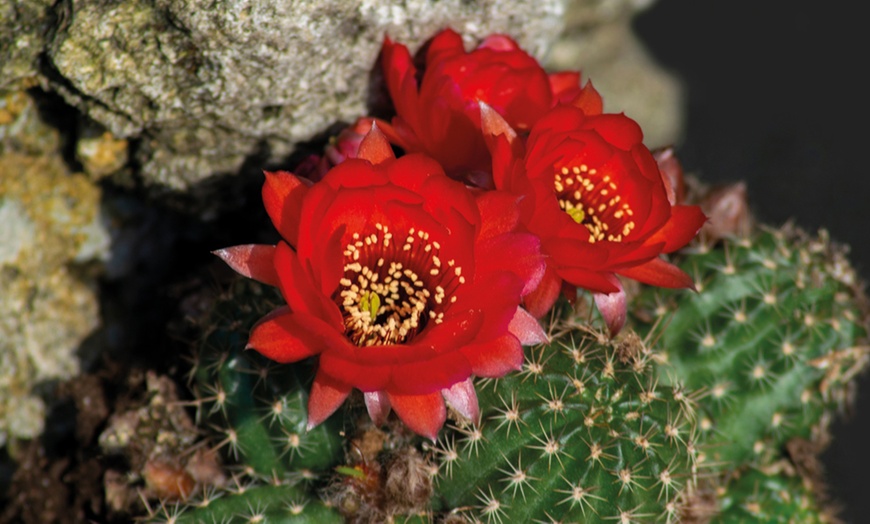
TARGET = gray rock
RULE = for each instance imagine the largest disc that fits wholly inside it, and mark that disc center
(24, 25)
(206, 87)
(598, 40)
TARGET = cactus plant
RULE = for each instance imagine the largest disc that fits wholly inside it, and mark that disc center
(257, 406)
(585, 432)
(267, 504)
(771, 340)
(696, 401)
(256, 412)
(592, 429)
(774, 495)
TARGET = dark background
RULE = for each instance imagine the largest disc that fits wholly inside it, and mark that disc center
(777, 97)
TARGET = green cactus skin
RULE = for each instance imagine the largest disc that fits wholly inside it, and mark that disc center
(772, 339)
(583, 434)
(257, 412)
(775, 497)
(258, 407)
(285, 504)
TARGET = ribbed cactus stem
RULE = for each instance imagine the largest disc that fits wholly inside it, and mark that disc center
(585, 433)
(283, 504)
(774, 494)
(258, 408)
(772, 339)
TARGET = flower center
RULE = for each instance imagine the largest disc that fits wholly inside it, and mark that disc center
(593, 200)
(389, 291)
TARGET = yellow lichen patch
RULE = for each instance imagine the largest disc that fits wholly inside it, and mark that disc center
(22, 130)
(62, 207)
(11, 106)
(50, 222)
(101, 156)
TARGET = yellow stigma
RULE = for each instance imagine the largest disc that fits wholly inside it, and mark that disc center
(577, 214)
(371, 302)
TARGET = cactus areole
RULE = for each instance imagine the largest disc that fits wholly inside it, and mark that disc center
(403, 281)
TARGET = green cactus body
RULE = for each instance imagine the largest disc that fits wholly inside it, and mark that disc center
(771, 339)
(581, 435)
(259, 407)
(261, 504)
(257, 411)
(769, 497)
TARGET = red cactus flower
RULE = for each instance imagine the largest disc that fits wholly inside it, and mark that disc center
(594, 195)
(403, 281)
(440, 115)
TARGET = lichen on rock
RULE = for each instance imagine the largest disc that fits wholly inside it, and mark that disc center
(24, 25)
(51, 229)
(206, 87)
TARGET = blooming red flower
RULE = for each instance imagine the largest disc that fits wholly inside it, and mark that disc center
(403, 281)
(595, 196)
(439, 115)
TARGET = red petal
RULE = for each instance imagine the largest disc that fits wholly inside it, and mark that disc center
(617, 130)
(251, 260)
(299, 290)
(613, 308)
(499, 213)
(326, 396)
(527, 328)
(282, 197)
(517, 253)
(499, 43)
(445, 44)
(495, 358)
(400, 76)
(507, 162)
(564, 82)
(374, 146)
(492, 123)
(684, 224)
(390, 132)
(431, 374)
(659, 273)
(539, 301)
(569, 252)
(594, 281)
(462, 397)
(496, 296)
(378, 406)
(284, 336)
(672, 174)
(347, 367)
(588, 100)
(424, 414)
